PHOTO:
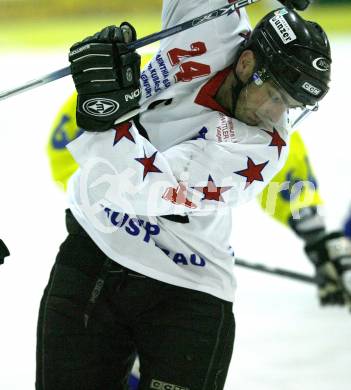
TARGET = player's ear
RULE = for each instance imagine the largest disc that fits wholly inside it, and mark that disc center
(245, 65)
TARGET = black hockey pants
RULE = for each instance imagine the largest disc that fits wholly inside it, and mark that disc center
(95, 315)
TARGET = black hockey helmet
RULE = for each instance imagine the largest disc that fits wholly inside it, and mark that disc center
(295, 53)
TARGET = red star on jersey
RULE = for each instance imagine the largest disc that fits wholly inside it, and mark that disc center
(277, 141)
(211, 192)
(122, 130)
(252, 172)
(148, 163)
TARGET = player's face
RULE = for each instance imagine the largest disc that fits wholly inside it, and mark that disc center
(262, 103)
(265, 105)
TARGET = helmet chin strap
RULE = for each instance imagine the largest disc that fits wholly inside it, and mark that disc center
(258, 77)
(236, 89)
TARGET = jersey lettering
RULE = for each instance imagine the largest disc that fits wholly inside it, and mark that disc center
(133, 226)
(191, 69)
(176, 55)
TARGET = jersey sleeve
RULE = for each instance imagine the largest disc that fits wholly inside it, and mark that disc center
(174, 11)
(122, 169)
(63, 131)
(294, 187)
(178, 11)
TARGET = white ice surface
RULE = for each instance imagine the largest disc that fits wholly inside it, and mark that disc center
(284, 339)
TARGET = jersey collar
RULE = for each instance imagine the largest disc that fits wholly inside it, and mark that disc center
(206, 95)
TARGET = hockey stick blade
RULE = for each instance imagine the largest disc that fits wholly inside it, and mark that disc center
(276, 271)
(226, 10)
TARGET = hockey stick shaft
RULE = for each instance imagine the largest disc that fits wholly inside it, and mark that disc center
(276, 271)
(226, 10)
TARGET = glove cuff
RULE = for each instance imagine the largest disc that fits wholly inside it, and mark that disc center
(95, 113)
(310, 226)
(330, 247)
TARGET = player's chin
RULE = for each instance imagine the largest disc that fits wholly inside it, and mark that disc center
(247, 118)
(251, 120)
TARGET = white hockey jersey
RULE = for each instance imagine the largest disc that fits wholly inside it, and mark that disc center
(155, 192)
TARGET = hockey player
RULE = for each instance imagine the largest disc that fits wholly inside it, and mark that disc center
(297, 191)
(301, 197)
(293, 200)
(149, 220)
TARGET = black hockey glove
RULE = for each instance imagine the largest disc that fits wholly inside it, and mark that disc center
(4, 252)
(310, 225)
(106, 75)
(331, 256)
(300, 5)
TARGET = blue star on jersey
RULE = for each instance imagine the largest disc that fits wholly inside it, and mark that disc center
(202, 134)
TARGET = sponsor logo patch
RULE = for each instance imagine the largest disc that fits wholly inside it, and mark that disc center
(311, 88)
(281, 26)
(100, 107)
(321, 64)
(159, 385)
(225, 130)
(282, 11)
(79, 50)
(129, 74)
(133, 95)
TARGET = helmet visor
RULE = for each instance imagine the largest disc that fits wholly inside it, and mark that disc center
(266, 104)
